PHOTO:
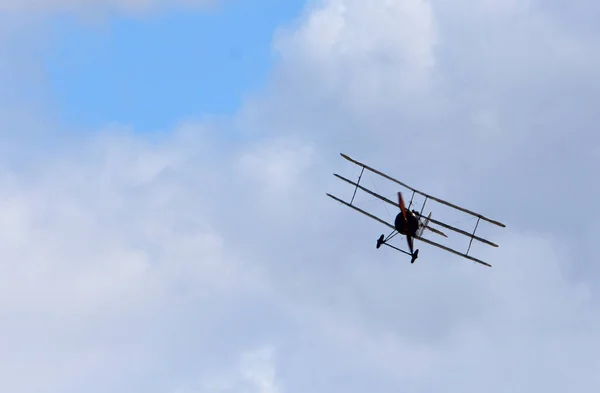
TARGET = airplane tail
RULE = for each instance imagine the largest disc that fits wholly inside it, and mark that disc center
(426, 225)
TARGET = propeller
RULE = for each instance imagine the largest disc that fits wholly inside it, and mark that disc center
(401, 204)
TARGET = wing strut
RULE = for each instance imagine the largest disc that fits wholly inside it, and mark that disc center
(423, 208)
(471, 241)
(356, 188)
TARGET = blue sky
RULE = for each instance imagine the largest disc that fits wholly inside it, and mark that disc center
(150, 73)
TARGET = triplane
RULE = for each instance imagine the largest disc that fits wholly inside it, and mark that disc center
(412, 223)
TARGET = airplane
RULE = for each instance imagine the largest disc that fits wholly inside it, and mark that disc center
(412, 223)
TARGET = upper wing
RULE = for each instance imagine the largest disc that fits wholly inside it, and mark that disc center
(422, 193)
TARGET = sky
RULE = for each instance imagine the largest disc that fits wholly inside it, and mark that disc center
(206, 61)
(163, 171)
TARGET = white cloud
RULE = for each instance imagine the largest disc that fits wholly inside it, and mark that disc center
(360, 53)
(253, 371)
(257, 368)
(130, 262)
(107, 233)
(276, 165)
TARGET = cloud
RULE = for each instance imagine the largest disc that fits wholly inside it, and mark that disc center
(96, 254)
(254, 372)
(154, 262)
(275, 165)
(257, 368)
(357, 56)
(510, 90)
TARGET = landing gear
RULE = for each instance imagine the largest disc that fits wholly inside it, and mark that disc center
(415, 256)
(383, 241)
(380, 241)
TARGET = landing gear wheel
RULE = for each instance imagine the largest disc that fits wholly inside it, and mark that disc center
(380, 241)
(414, 256)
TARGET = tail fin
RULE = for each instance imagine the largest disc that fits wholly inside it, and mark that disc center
(422, 228)
(426, 225)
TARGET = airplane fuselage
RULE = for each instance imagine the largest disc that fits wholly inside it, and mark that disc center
(408, 226)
